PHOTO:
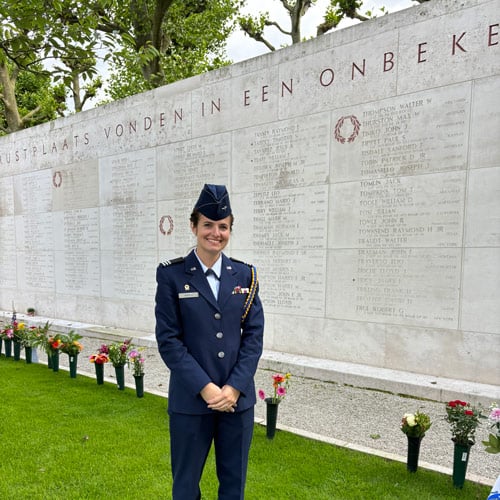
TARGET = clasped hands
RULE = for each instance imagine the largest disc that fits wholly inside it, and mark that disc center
(222, 399)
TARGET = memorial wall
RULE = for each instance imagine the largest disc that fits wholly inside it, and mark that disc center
(364, 173)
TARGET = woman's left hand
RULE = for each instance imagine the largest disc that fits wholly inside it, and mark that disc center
(226, 400)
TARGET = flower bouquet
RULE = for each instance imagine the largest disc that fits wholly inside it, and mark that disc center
(29, 337)
(493, 443)
(99, 360)
(72, 348)
(414, 425)
(118, 352)
(464, 420)
(136, 360)
(16, 333)
(42, 340)
(70, 344)
(54, 345)
(7, 335)
(280, 388)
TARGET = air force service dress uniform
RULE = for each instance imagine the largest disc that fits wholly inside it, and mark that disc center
(205, 339)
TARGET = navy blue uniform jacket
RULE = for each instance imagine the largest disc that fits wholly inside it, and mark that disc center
(201, 339)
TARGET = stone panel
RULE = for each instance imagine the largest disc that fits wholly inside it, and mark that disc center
(483, 210)
(405, 286)
(282, 155)
(480, 311)
(7, 198)
(461, 45)
(411, 134)
(75, 186)
(485, 124)
(413, 211)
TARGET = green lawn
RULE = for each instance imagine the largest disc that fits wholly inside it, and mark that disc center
(64, 438)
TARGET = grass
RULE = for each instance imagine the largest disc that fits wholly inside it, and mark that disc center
(71, 439)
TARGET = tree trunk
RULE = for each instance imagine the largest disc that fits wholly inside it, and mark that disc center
(8, 85)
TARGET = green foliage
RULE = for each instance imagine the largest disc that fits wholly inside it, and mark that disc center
(192, 34)
(464, 420)
(35, 91)
(415, 424)
(150, 43)
(335, 12)
(70, 438)
(493, 443)
(70, 344)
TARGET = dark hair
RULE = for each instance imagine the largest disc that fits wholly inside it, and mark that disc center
(195, 218)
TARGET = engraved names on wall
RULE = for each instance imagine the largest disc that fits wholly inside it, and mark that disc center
(411, 134)
(183, 168)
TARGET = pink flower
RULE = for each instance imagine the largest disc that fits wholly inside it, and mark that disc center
(281, 391)
(262, 395)
(495, 415)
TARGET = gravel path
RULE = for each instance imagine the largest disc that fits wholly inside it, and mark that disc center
(360, 418)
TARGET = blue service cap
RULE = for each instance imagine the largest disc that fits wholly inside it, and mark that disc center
(214, 202)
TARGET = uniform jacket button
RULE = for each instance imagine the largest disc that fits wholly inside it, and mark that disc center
(219, 335)
(221, 355)
(217, 316)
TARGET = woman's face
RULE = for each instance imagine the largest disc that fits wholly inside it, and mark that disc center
(212, 236)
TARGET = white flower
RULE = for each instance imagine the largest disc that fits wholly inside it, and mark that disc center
(410, 419)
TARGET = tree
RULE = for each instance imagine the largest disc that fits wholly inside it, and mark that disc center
(37, 100)
(151, 42)
(336, 11)
(165, 41)
(33, 37)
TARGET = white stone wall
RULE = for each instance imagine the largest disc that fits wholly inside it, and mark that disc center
(364, 172)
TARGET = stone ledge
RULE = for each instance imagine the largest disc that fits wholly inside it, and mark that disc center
(397, 382)
(370, 377)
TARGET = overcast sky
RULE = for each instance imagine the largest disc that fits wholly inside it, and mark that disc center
(241, 46)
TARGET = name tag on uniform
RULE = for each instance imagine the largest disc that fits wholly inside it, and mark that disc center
(188, 295)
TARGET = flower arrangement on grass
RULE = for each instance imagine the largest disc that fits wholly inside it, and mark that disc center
(42, 337)
(280, 388)
(99, 359)
(464, 420)
(415, 424)
(70, 344)
(7, 333)
(15, 332)
(117, 352)
(29, 336)
(493, 443)
(136, 360)
(55, 343)
(18, 331)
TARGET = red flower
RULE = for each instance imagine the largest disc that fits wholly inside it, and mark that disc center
(99, 359)
(468, 412)
(55, 344)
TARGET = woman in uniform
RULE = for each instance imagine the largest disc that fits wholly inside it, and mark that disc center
(209, 329)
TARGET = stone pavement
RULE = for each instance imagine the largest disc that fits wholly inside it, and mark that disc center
(344, 404)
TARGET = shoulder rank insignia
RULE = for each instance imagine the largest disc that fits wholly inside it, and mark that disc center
(166, 263)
